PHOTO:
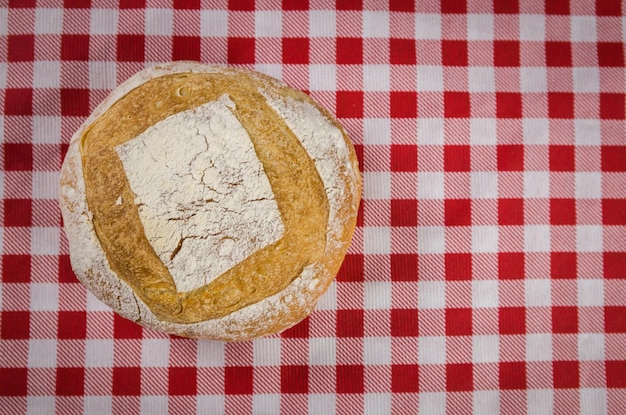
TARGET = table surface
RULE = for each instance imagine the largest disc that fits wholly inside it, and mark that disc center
(487, 271)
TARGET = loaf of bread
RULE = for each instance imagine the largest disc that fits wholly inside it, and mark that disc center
(209, 202)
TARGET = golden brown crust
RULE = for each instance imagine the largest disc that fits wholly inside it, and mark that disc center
(295, 181)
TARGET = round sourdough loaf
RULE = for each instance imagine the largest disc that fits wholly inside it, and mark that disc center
(209, 202)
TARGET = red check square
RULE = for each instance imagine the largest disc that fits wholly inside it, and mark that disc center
(508, 105)
(295, 4)
(458, 267)
(294, 379)
(615, 319)
(612, 106)
(18, 212)
(456, 158)
(510, 157)
(125, 329)
(70, 381)
(404, 323)
(75, 47)
(564, 319)
(611, 54)
(456, 104)
(459, 377)
(609, 7)
(511, 265)
(613, 158)
(512, 320)
(299, 331)
(403, 212)
(403, 267)
(510, 211)
(14, 325)
(615, 373)
(458, 212)
(13, 381)
(563, 265)
(350, 323)
(76, 4)
(18, 101)
(402, 52)
(72, 325)
(350, 379)
(512, 375)
(188, 4)
(562, 158)
(240, 50)
(561, 105)
(22, 4)
(352, 268)
(402, 5)
(557, 7)
(614, 265)
(130, 48)
(238, 380)
(349, 104)
(349, 5)
(75, 102)
(349, 51)
(21, 48)
(126, 381)
(506, 53)
(16, 268)
(132, 4)
(241, 5)
(558, 54)
(295, 50)
(566, 374)
(403, 104)
(458, 322)
(404, 157)
(454, 52)
(182, 381)
(66, 274)
(562, 211)
(454, 6)
(506, 6)
(186, 48)
(404, 378)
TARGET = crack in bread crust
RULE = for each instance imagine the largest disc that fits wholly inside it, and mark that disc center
(295, 181)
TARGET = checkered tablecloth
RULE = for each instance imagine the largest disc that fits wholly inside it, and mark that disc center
(487, 272)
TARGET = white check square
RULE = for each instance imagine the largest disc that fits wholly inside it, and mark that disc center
(485, 294)
(159, 22)
(539, 347)
(268, 24)
(375, 24)
(376, 77)
(427, 26)
(44, 297)
(485, 349)
(213, 23)
(98, 353)
(432, 350)
(377, 350)
(42, 353)
(480, 27)
(103, 22)
(322, 77)
(155, 352)
(322, 351)
(47, 74)
(267, 352)
(538, 293)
